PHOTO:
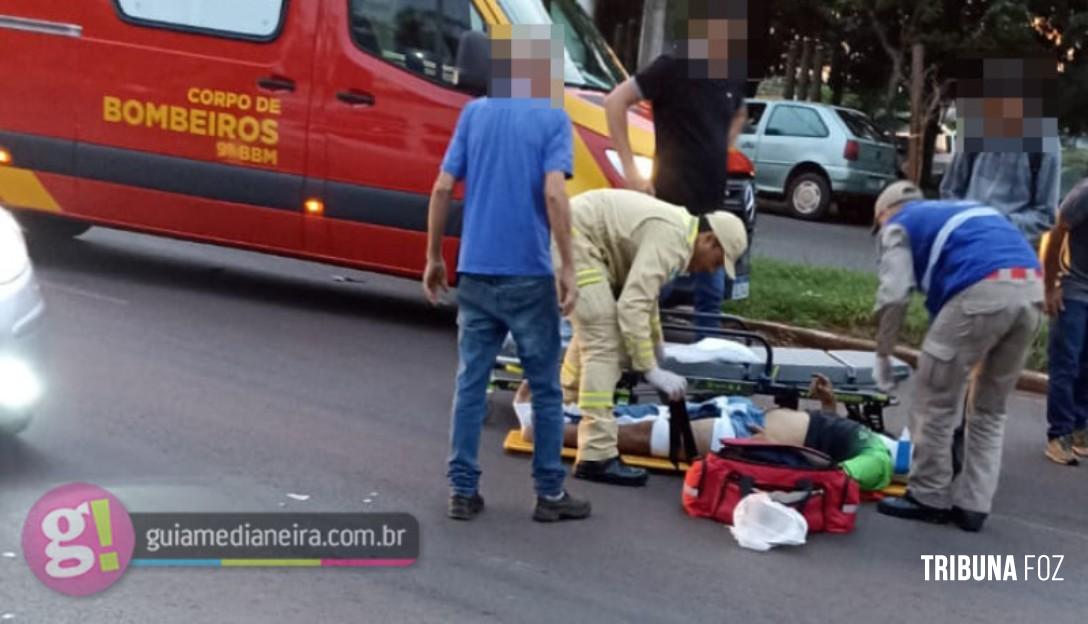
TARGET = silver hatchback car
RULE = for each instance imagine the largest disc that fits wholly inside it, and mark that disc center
(21, 309)
(813, 153)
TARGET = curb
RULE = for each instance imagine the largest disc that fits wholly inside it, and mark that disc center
(788, 335)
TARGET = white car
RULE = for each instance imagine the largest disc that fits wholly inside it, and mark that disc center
(21, 309)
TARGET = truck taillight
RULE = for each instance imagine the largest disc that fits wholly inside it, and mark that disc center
(852, 150)
(5, 157)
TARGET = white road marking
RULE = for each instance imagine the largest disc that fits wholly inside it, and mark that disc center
(79, 292)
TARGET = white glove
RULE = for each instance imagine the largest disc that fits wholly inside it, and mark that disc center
(672, 385)
(883, 373)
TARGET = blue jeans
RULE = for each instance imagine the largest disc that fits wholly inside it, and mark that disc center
(489, 307)
(1067, 400)
(708, 293)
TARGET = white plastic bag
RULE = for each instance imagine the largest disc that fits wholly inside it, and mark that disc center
(760, 523)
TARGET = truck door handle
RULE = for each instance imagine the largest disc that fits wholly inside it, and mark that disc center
(277, 84)
(355, 98)
(748, 145)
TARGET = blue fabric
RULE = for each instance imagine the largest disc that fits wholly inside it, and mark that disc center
(488, 308)
(503, 148)
(1067, 399)
(742, 412)
(974, 250)
(708, 293)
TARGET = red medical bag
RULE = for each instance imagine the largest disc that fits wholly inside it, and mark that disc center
(802, 478)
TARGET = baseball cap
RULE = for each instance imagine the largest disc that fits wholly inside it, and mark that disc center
(895, 193)
(732, 235)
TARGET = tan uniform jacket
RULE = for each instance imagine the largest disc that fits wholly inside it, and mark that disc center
(642, 243)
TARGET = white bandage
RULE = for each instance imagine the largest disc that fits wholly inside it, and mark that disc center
(723, 428)
(659, 438)
(524, 412)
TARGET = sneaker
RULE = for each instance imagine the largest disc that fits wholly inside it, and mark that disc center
(465, 507)
(1080, 442)
(566, 508)
(1060, 451)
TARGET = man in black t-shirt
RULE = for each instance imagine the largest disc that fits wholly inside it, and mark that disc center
(697, 94)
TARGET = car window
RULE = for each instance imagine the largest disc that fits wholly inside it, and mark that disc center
(755, 113)
(796, 121)
(421, 36)
(259, 19)
(861, 126)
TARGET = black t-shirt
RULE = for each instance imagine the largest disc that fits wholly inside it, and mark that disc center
(838, 437)
(691, 122)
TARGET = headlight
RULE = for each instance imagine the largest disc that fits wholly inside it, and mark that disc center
(19, 386)
(13, 256)
(644, 164)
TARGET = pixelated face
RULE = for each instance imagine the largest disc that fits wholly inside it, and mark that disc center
(717, 38)
(527, 62)
(1005, 105)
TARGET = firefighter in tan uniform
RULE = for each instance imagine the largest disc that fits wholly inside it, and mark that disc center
(626, 246)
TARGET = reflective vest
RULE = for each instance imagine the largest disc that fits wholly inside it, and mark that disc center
(956, 244)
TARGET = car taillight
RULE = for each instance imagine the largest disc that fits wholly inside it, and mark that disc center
(739, 165)
(852, 150)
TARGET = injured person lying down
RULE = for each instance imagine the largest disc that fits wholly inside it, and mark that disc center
(644, 430)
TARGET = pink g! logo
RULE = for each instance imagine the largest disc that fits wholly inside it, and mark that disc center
(78, 539)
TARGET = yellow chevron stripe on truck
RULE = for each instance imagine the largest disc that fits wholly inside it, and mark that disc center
(21, 188)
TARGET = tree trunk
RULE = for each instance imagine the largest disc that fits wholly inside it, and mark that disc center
(838, 75)
(929, 141)
(791, 71)
(806, 64)
(815, 93)
(632, 45)
(918, 112)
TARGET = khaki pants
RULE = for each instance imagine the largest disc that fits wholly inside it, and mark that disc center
(988, 327)
(591, 370)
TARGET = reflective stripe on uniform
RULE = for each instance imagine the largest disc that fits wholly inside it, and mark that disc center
(587, 277)
(693, 231)
(596, 400)
(946, 232)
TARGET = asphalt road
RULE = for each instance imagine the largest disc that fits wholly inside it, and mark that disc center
(836, 243)
(186, 377)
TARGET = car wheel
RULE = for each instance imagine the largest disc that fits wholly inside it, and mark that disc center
(809, 197)
(50, 228)
(14, 425)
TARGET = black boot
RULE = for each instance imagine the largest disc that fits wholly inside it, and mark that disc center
(612, 471)
(908, 508)
(970, 521)
(465, 507)
(565, 508)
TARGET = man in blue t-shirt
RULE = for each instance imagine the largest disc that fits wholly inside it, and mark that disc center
(984, 293)
(513, 150)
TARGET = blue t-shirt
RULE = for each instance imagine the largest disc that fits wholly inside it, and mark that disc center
(502, 149)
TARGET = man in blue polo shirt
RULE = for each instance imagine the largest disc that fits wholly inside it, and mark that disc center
(514, 152)
(984, 293)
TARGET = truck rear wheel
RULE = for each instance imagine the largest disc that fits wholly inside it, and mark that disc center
(48, 227)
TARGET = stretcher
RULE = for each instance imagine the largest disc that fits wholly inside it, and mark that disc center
(782, 373)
